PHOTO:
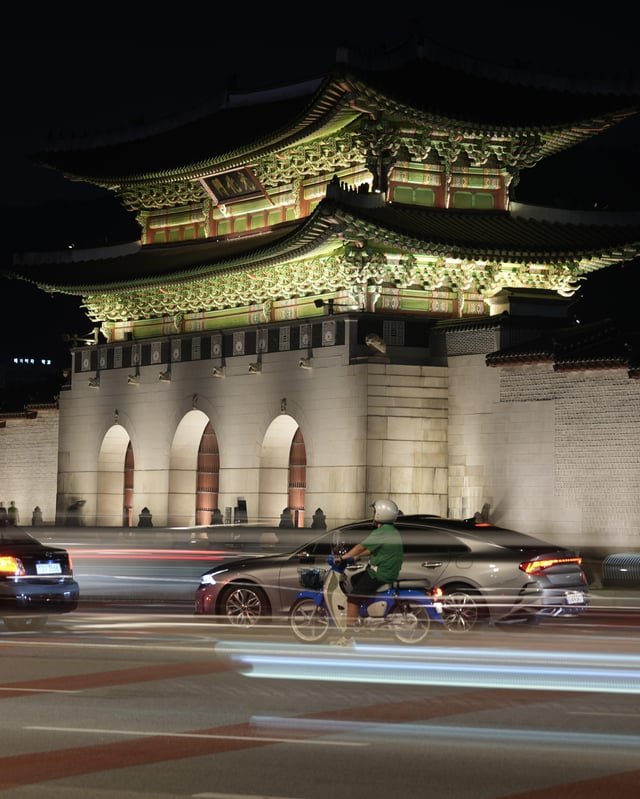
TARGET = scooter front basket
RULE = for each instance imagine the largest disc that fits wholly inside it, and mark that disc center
(312, 578)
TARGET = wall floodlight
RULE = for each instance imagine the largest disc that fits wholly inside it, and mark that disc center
(376, 343)
(255, 368)
(331, 304)
(165, 376)
(94, 382)
(305, 363)
(133, 380)
(218, 371)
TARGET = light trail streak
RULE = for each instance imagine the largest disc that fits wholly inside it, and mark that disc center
(446, 732)
(466, 667)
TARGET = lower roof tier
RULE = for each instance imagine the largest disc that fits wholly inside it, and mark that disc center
(352, 247)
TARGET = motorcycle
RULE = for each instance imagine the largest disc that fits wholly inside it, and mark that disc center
(405, 608)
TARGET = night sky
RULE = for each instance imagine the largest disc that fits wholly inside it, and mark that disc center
(56, 86)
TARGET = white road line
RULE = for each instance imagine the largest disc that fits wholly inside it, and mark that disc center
(90, 645)
(247, 738)
(40, 690)
(600, 713)
(236, 796)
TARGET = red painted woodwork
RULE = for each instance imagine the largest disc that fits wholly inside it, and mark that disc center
(297, 477)
(207, 484)
(127, 502)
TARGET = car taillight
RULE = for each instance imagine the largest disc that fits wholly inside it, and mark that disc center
(537, 566)
(11, 567)
(70, 562)
(437, 593)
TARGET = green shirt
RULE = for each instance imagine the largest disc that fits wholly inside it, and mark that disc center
(385, 546)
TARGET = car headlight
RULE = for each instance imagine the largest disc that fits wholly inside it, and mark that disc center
(210, 579)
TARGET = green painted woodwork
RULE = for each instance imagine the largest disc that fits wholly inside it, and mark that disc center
(414, 196)
(469, 199)
(355, 269)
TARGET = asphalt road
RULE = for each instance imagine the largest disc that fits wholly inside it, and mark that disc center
(135, 696)
(122, 705)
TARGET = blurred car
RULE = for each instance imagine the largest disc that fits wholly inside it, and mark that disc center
(488, 574)
(36, 580)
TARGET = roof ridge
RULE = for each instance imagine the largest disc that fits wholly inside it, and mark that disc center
(418, 47)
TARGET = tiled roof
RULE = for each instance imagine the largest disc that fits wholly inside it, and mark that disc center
(227, 132)
(465, 234)
(243, 127)
(457, 93)
(498, 234)
(601, 345)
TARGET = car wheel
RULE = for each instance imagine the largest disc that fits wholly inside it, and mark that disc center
(309, 622)
(243, 605)
(461, 610)
(20, 624)
(410, 623)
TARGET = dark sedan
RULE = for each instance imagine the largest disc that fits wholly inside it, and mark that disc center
(36, 580)
(488, 574)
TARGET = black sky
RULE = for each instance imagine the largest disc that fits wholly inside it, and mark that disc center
(57, 85)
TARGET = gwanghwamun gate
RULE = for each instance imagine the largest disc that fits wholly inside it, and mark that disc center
(335, 297)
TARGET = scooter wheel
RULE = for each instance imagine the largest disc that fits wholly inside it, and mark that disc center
(410, 623)
(309, 622)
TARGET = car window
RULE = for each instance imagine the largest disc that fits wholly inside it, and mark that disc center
(503, 537)
(425, 540)
(322, 545)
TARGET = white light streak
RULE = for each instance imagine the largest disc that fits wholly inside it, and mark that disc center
(468, 667)
(446, 732)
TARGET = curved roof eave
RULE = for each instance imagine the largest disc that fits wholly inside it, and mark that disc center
(337, 101)
(314, 235)
(401, 228)
(326, 112)
(392, 232)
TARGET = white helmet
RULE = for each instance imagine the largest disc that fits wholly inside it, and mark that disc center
(385, 510)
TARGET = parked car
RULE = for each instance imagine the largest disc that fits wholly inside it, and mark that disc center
(488, 574)
(36, 580)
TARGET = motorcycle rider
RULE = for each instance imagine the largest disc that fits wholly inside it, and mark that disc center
(384, 548)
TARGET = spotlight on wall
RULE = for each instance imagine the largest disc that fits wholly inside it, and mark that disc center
(94, 382)
(218, 371)
(375, 343)
(165, 376)
(331, 305)
(305, 363)
(133, 380)
(255, 368)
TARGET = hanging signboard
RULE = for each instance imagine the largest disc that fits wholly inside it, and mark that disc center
(230, 186)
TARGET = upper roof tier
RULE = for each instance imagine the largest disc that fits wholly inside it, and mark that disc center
(418, 86)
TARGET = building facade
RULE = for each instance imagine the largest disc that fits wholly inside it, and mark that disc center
(323, 306)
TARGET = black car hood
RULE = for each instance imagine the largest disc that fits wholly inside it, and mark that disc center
(241, 563)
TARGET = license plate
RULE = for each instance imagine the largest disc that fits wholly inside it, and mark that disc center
(48, 568)
(574, 598)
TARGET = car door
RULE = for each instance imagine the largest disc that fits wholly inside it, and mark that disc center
(311, 556)
(429, 552)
